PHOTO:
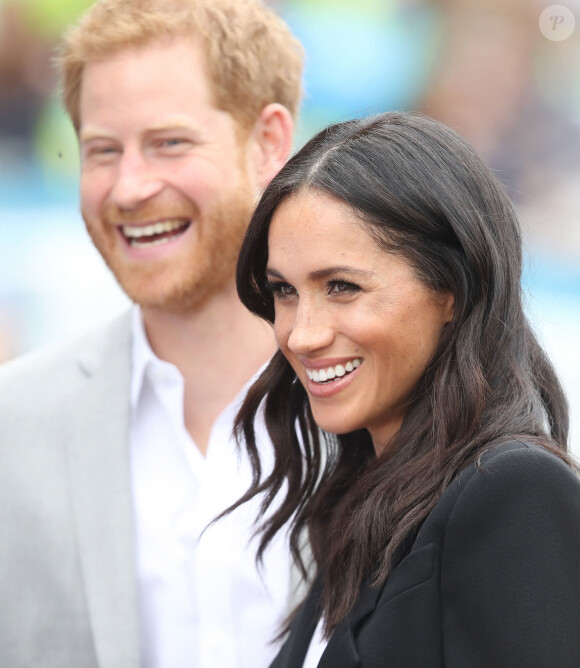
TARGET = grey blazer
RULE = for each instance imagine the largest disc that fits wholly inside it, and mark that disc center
(67, 585)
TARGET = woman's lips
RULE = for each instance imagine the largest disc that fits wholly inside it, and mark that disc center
(329, 373)
(328, 387)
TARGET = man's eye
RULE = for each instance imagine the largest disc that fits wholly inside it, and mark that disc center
(99, 154)
(101, 150)
(175, 141)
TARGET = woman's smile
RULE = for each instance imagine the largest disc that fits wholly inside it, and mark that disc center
(326, 374)
(328, 380)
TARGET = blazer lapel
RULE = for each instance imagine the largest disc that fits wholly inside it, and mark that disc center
(342, 649)
(98, 451)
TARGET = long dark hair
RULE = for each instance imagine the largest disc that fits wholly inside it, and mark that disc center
(422, 192)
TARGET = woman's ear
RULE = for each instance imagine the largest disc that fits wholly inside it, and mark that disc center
(448, 306)
(271, 139)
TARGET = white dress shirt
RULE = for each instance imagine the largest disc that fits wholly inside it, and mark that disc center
(316, 648)
(202, 602)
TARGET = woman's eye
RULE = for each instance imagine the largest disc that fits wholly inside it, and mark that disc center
(342, 287)
(282, 290)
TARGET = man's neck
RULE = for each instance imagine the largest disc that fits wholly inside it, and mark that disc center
(217, 349)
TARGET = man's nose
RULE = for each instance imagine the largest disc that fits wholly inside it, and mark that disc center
(136, 181)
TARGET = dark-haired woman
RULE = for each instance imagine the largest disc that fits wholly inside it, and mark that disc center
(430, 467)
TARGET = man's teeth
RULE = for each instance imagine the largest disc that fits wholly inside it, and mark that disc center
(323, 375)
(138, 234)
(145, 244)
(136, 231)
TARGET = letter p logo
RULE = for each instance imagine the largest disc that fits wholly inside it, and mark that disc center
(557, 23)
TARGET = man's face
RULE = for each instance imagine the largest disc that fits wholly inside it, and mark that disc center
(165, 190)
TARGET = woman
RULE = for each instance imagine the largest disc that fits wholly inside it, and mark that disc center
(430, 468)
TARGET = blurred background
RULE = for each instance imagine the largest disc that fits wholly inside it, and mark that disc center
(503, 73)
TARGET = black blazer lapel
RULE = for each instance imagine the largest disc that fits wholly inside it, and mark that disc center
(341, 651)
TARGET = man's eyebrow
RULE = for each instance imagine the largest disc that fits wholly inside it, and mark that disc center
(175, 124)
(93, 133)
(171, 125)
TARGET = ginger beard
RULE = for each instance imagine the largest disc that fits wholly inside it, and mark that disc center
(201, 262)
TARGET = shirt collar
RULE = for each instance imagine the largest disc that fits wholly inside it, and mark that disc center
(142, 355)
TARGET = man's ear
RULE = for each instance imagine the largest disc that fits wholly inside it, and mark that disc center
(271, 142)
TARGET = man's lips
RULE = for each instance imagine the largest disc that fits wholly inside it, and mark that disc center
(153, 234)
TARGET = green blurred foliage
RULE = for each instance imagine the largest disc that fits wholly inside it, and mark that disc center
(56, 142)
(50, 17)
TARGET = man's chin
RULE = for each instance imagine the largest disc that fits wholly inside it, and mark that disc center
(177, 300)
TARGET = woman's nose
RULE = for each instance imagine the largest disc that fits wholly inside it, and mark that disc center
(310, 332)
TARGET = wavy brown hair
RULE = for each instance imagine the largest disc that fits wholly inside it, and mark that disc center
(423, 193)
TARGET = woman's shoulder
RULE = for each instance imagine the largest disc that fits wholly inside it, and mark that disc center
(516, 480)
(506, 543)
(513, 463)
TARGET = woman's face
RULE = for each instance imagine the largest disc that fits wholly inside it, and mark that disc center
(354, 322)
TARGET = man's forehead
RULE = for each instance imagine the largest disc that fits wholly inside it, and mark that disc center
(160, 85)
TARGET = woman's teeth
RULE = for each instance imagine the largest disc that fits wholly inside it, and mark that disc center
(326, 375)
(141, 236)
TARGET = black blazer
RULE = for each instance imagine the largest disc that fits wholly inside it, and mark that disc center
(491, 581)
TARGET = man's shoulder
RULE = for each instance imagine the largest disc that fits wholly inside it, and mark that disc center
(55, 363)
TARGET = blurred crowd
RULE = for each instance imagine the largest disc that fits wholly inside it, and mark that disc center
(481, 66)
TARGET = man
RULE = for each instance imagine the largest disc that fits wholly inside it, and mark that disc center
(117, 451)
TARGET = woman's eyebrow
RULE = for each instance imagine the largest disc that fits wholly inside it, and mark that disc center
(273, 272)
(339, 269)
(320, 274)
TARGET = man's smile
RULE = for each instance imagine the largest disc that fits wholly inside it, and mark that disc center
(154, 234)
